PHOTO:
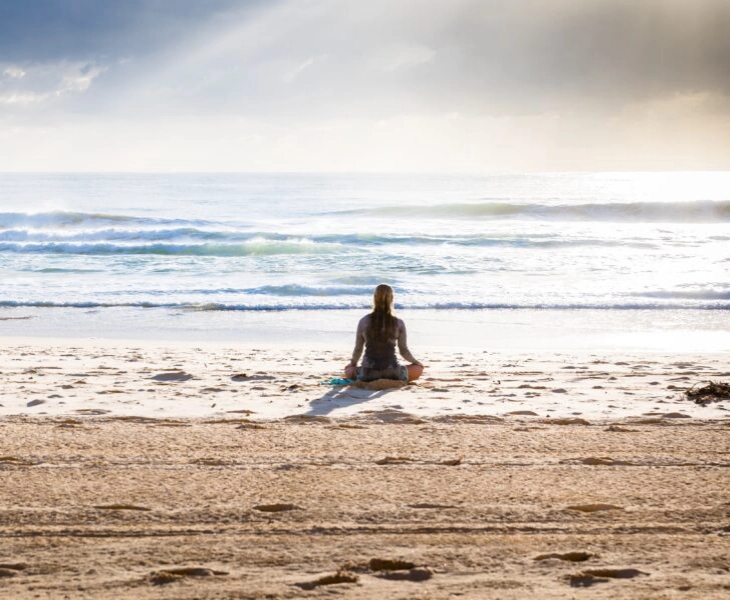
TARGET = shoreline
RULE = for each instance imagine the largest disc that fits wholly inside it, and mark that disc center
(669, 331)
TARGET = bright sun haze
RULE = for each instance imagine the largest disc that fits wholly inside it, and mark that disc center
(465, 86)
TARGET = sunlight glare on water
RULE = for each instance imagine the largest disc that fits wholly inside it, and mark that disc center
(182, 244)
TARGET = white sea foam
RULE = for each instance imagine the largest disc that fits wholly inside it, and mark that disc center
(245, 243)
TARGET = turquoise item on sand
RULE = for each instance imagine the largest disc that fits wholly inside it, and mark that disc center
(338, 381)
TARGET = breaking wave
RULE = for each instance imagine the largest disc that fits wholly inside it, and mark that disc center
(699, 211)
(59, 219)
(348, 305)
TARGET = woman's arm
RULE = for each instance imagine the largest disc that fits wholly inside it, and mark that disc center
(403, 344)
(359, 341)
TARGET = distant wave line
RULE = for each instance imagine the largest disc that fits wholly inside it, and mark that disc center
(459, 306)
(271, 244)
(295, 290)
(110, 235)
(62, 219)
(287, 290)
(697, 211)
(254, 247)
(689, 295)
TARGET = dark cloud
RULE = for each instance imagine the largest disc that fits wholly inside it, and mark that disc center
(605, 51)
(536, 55)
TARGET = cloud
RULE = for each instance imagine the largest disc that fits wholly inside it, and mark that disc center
(14, 73)
(477, 57)
(379, 84)
(41, 85)
(603, 52)
(380, 58)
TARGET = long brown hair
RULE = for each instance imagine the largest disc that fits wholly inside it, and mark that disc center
(383, 323)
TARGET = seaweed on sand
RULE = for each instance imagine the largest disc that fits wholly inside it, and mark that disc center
(714, 391)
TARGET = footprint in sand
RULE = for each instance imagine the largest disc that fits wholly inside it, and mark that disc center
(399, 570)
(581, 580)
(615, 573)
(339, 577)
(394, 460)
(415, 574)
(11, 570)
(386, 564)
(567, 556)
(257, 377)
(172, 376)
(568, 421)
(620, 429)
(593, 576)
(170, 575)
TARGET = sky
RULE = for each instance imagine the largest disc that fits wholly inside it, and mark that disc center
(439, 86)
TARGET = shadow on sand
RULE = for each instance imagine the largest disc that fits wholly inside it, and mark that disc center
(350, 395)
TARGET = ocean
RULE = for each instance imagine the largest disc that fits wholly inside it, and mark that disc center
(296, 256)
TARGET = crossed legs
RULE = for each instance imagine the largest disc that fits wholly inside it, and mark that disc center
(414, 372)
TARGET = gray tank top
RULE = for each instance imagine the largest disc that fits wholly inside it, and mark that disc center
(381, 354)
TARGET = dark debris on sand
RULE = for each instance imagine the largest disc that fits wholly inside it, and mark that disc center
(714, 391)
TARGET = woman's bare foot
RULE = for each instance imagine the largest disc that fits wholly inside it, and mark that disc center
(414, 372)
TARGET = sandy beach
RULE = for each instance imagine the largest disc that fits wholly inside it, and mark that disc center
(207, 209)
(185, 380)
(134, 470)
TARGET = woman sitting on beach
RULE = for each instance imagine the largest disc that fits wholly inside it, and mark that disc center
(378, 333)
